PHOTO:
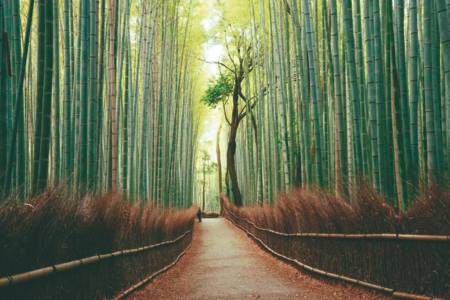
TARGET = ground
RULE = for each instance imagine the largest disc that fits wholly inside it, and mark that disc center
(223, 263)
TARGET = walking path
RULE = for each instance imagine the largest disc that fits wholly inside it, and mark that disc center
(223, 263)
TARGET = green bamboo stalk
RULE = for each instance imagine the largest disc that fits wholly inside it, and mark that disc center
(44, 96)
(314, 95)
(413, 88)
(339, 121)
(437, 108)
(92, 106)
(371, 94)
(56, 115)
(402, 81)
(112, 92)
(380, 95)
(354, 87)
(444, 36)
(3, 106)
(428, 92)
(281, 96)
(67, 104)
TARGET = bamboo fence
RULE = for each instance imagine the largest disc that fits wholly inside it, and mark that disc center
(141, 283)
(233, 218)
(58, 268)
(389, 236)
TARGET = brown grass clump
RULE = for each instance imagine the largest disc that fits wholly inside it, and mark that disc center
(430, 213)
(411, 266)
(319, 211)
(55, 227)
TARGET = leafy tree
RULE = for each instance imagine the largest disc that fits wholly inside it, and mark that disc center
(240, 61)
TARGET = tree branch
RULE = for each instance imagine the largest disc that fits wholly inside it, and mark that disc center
(244, 110)
(225, 113)
(217, 63)
(229, 54)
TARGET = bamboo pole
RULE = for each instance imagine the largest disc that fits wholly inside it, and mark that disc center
(112, 93)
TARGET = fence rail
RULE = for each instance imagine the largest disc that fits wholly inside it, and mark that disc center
(46, 271)
(284, 246)
(388, 236)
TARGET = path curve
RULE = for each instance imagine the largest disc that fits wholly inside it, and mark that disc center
(223, 263)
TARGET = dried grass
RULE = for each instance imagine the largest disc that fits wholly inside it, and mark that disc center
(319, 211)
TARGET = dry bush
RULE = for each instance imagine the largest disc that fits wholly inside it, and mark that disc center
(319, 211)
(430, 213)
(55, 227)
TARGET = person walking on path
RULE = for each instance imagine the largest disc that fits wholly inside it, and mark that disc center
(199, 215)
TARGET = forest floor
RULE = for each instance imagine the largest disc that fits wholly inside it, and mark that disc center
(223, 263)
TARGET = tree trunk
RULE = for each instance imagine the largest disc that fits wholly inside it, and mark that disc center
(231, 149)
(231, 162)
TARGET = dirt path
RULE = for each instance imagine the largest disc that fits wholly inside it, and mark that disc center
(223, 263)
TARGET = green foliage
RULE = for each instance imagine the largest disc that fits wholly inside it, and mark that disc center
(218, 90)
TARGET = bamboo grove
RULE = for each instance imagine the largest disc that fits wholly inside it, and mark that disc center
(355, 90)
(98, 95)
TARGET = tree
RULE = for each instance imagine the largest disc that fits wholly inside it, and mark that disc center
(240, 62)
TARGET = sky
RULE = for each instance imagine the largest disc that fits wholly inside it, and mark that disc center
(212, 52)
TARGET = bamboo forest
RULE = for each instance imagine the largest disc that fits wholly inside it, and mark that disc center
(224, 149)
